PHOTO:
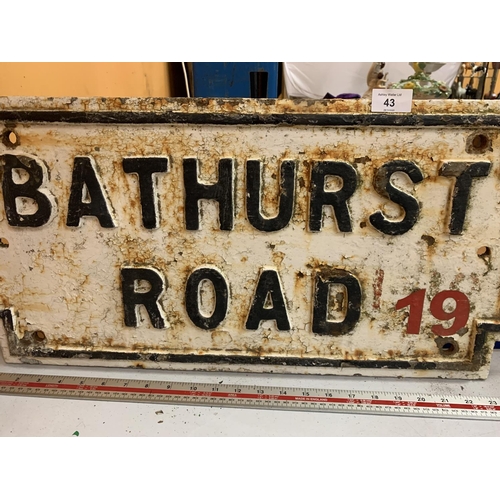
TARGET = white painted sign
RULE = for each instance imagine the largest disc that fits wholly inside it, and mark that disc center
(187, 235)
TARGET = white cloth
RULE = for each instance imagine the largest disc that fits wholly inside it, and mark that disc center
(314, 80)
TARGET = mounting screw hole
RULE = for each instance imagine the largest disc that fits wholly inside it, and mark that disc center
(4, 243)
(484, 252)
(448, 347)
(10, 138)
(39, 336)
(478, 143)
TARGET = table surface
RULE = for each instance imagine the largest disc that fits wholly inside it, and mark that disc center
(34, 416)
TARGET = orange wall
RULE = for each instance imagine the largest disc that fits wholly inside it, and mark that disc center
(85, 79)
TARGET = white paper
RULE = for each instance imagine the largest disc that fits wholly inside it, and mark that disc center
(392, 100)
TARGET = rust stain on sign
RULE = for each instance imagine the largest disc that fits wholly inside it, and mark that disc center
(260, 235)
(377, 288)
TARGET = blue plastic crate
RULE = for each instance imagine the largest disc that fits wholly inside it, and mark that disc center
(231, 79)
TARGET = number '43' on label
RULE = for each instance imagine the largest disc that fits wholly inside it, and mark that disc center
(392, 100)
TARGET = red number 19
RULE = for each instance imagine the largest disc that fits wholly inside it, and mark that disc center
(415, 302)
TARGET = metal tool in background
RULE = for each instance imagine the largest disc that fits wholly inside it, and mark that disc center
(252, 396)
(494, 78)
(482, 81)
(477, 77)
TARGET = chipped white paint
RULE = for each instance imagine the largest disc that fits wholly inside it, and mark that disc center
(65, 281)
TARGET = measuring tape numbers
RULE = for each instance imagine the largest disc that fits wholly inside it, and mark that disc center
(252, 396)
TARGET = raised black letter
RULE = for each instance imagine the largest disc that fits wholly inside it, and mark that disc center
(145, 168)
(384, 187)
(337, 199)
(268, 302)
(28, 189)
(351, 301)
(222, 191)
(463, 173)
(94, 202)
(132, 297)
(193, 298)
(254, 196)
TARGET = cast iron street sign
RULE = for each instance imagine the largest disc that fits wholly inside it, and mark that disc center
(252, 235)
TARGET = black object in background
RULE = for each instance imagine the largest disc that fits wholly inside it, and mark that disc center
(258, 84)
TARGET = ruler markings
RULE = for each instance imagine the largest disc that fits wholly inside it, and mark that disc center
(287, 398)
